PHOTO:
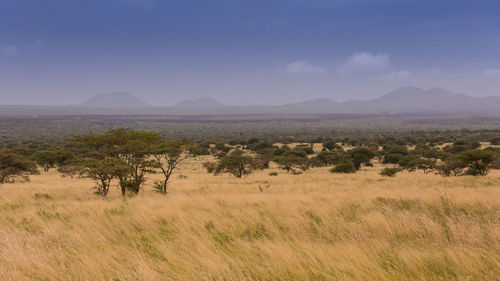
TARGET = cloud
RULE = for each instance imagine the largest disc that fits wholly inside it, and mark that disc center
(492, 72)
(397, 75)
(304, 67)
(366, 62)
(10, 50)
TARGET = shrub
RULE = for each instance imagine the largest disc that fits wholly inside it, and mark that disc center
(325, 158)
(45, 196)
(495, 141)
(236, 163)
(395, 149)
(14, 167)
(478, 161)
(390, 172)
(281, 150)
(46, 159)
(496, 164)
(460, 146)
(344, 167)
(331, 145)
(273, 173)
(200, 150)
(392, 158)
(210, 166)
(360, 156)
(292, 159)
(306, 148)
(450, 167)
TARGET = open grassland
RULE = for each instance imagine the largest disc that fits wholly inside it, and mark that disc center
(313, 226)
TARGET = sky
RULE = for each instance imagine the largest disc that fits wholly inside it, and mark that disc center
(245, 51)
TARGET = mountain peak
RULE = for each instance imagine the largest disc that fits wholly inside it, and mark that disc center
(403, 91)
(314, 102)
(439, 90)
(115, 100)
(199, 102)
(414, 92)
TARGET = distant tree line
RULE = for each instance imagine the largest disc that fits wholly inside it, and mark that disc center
(459, 158)
(126, 156)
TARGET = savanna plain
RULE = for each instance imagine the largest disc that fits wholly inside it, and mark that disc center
(312, 226)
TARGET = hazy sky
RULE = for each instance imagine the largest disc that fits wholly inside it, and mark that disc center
(245, 51)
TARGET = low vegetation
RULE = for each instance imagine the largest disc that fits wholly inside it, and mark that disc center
(127, 156)
(313, 226)
(136, 205)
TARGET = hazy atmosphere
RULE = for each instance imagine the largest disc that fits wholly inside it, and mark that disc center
(58, 52)
(343, 140)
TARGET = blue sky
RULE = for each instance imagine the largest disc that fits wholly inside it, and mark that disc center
(245, 51)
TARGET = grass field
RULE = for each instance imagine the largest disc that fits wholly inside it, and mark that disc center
(313, 226)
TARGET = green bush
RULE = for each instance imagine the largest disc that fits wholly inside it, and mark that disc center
(478, 161)
(495, 141)
(344, 167)
(390, 172)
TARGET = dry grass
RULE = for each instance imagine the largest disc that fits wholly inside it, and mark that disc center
(314, 226)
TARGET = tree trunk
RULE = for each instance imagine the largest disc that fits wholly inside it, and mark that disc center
(104, 185)
(164, 190)
(123, 189)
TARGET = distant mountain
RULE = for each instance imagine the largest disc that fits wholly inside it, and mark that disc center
(115, 100)
(315, 105)
(402, 100)
(416, 99)
(314, 102)
(199, 102)
(407, 100)
(411, 99)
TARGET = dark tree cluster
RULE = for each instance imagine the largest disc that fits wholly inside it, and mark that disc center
(124, 157)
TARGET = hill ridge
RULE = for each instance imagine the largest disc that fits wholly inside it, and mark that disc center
(114, 100)
(199, 102)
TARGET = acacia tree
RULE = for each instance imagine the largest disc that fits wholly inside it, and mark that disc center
(345, 167)
(48, 159)
(331, 145)
(478, 161)
(326, 158)
(14, 167)
(102, 171)
(264, 156)
(426, 165)
(450, 166)
(392, 154)
(168, 155)
(292, 159)
(236, 163)
(132, 149)
(134, 155)
(361, 155)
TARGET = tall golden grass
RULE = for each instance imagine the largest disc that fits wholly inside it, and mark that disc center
(313, 226)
